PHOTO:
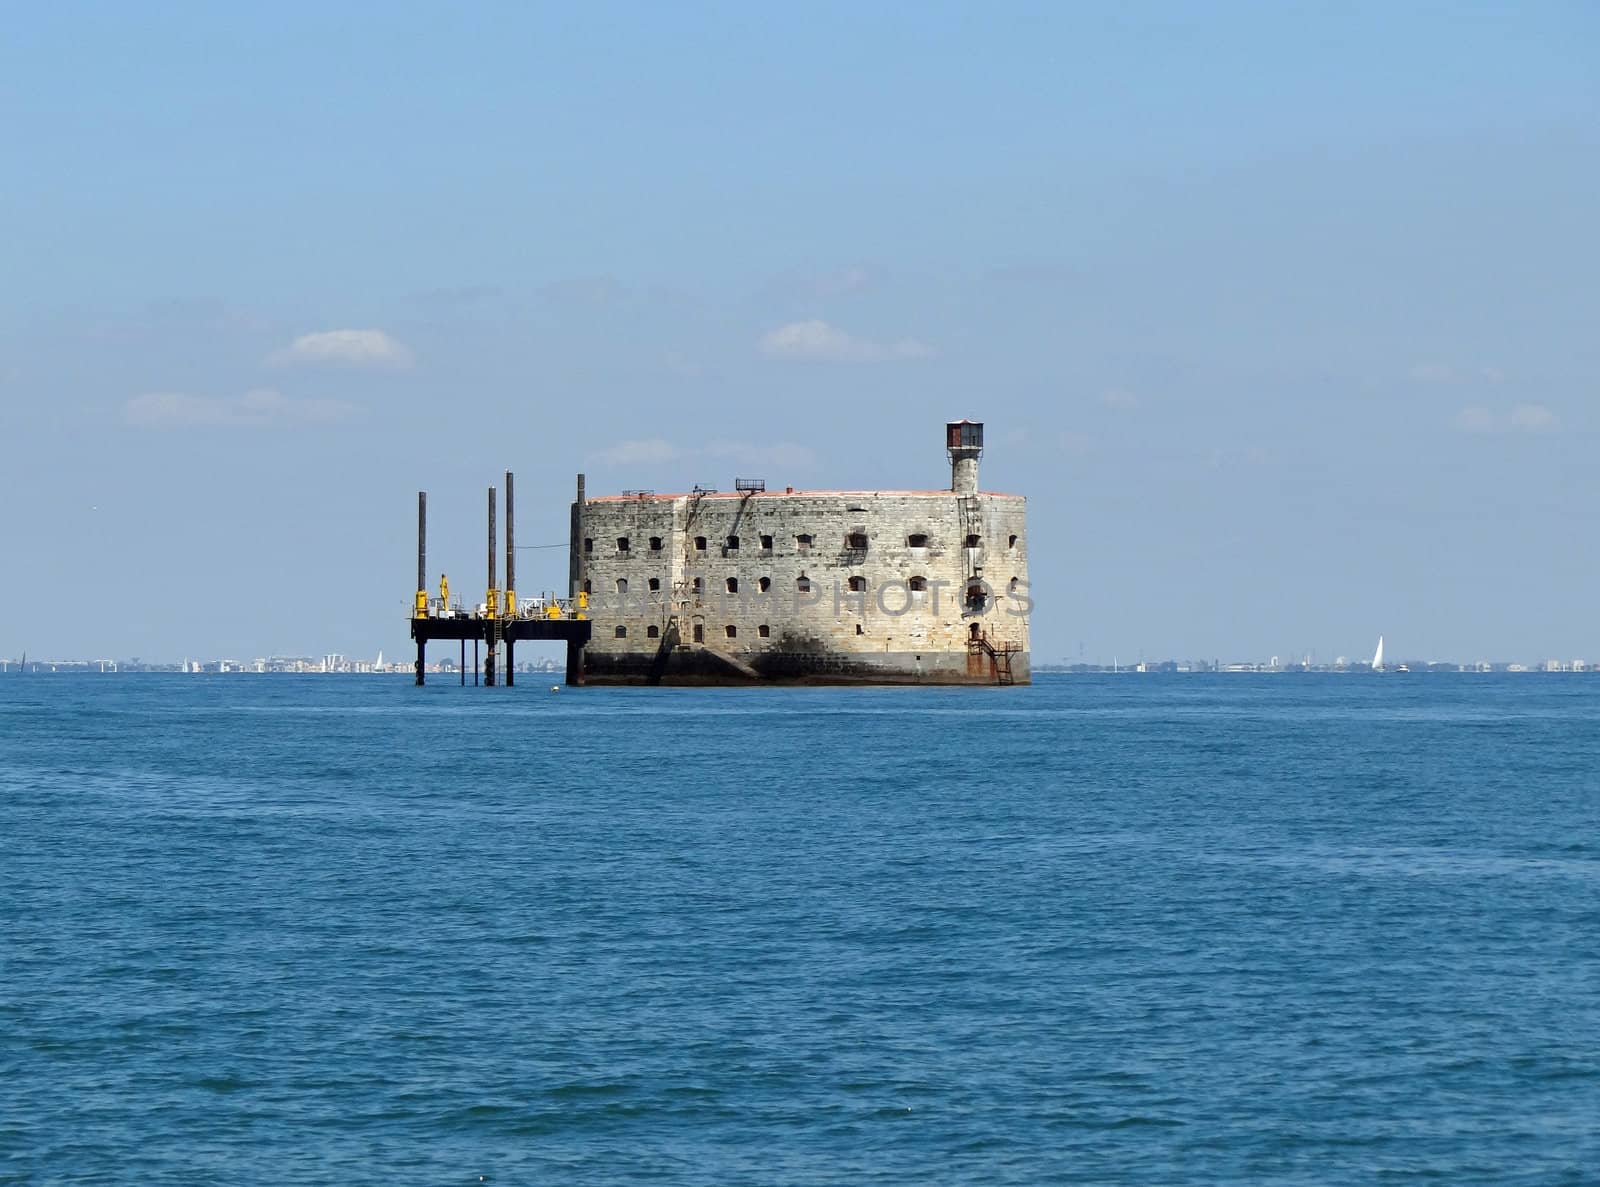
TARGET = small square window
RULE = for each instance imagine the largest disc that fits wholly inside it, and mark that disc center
(655, 585)
(802, 584)
(699, 543)
(733, 543)
(732, 631)
(764, 630)
(803, 541)
(655, 543)
(733, 585)
(766, 543)
(917, 540)
(856, 541)
(858, 584)
(622, 544)
(652, 631)
(699, 632)
(622, 632)
(588, 544)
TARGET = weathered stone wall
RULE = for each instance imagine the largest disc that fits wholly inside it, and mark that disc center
(883, 632)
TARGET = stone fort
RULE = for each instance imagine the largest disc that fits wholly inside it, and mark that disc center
(838, 586)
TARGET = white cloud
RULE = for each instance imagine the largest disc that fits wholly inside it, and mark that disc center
(262, 408)
(1533, 418)
(1119, 398)
(345, 348)
(639, 452)
(1523, 418)
(817, 341)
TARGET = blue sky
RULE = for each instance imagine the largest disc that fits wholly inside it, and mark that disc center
(1283, 315)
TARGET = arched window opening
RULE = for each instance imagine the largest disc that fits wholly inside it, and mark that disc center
(652, 631)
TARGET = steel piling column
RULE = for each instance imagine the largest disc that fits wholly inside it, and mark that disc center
(488, 658)
(422, 576)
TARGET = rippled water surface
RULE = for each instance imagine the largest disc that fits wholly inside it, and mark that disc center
(1124, 930)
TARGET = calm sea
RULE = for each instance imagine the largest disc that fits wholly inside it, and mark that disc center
(1124, 930)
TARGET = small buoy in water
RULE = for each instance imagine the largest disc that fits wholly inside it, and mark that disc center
(555, 688)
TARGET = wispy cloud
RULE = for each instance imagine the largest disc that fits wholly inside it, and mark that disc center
(818, 342)
(783, 456)
(1117, 397)
(656, 451)
(262, 408)
(1522, 418)
(638, 452)
(1445, 373)
(371, 349)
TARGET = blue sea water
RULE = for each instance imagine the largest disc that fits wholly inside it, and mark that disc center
(1123, 930)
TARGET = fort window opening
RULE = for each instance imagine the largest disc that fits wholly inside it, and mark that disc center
(972, 631)
(622, 544)
(655, 543)
(764, 630)
(975, 595)
(764, 584)
(917, 540)
(655, 585)
(766, 543)
(652, 631)
(1011, 542)
(733, 631)
(973, 541)
(588, 586)
(699, 632)
(803, 541)
(803, 584)
(856, 541)
(588, 544)
(622, 632)
(858, 584)
(1015, 583)
(699, 543)
(859, 631)
(622, 585)
(733, 585)
(699, 585)
(733, 543)
(918, 584)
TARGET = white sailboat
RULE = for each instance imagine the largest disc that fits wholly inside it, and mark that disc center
(1377, 656)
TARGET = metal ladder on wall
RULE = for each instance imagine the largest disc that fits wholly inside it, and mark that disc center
(1000, 657)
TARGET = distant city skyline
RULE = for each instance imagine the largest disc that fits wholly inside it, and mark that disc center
(1281, 316)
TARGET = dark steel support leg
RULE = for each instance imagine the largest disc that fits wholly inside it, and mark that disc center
(488, 666)
(463, 663)
(474, 663)
(511, 663)
(574, 662)
(422, 662)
